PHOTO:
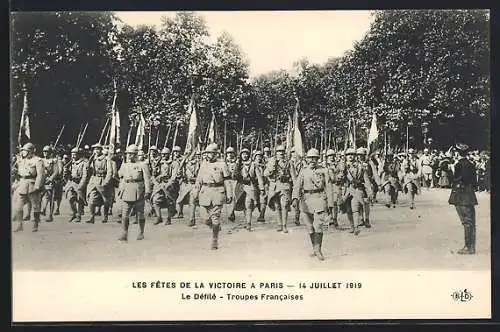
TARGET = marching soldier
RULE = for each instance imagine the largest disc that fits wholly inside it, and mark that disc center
(267, 154)
(389, 180)
(153, 161)
(52, 170)
(279, 172)
(296, 166)
(98, 188)
(259, 163)
(135, 187)
(367, 182)
(231, 166)
(464, 198)
(113, 184)
(410, 178)
(176, 160)
(352, 198)
(425, 165)
(212, 189)
(335, 178)
(76, 185)
(31, 173)
(310, 190)
(163, 193)
(249, 175)
(189, 173)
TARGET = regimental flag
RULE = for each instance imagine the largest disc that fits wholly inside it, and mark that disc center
(289, 134)
(24, 126)
(297, 136)
(139, 136)
(192, 142)
(211, 131)
(372, 135)
(114, 132)
(349, 141)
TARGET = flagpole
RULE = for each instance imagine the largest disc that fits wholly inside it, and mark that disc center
(407, 138)
(166, 137)
(175, 134)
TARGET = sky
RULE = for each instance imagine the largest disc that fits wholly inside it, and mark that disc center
(273, 40)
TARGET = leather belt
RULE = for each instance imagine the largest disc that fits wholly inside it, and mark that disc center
(28, 177)
(192, 181)
(214, 184)
(133, 181)
(100, 175)
(314, 191)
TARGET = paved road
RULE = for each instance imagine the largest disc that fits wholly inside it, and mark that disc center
(424, 238)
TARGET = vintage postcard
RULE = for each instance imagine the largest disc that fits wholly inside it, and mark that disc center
(256, 165)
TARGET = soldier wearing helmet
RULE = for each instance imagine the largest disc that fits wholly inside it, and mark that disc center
(76, 185)
(188, 174)
(231, 161)
(310, 190)
(367, 182)
(259, 162)
(425, 165)
(279, 171)
(334, 190)
(135, 188)
(297, 164)
(165, 189)
(53, 171)
(31, 173)
(100, 171)
(249, 187)
(266, 153)
(212, 190)
(176, 165)
(389, 180)
(353, 190)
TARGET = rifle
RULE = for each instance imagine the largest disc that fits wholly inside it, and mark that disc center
(58, 137)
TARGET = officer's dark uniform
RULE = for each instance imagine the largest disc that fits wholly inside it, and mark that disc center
(464, 198)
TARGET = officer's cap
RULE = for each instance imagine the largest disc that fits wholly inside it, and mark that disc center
(165, 151)
(312, 153)
(257, 152)
(229, 149)
(75, 150)
(213, 148)
(176, 148)
(330, 152)
(350, 151)
(132, 149)
(361, 151)
(244, 150)
(28, 147)
(462, 147)
(97, 146)
(280, 148)
(47, 148)
(153, 148)
(266, 149)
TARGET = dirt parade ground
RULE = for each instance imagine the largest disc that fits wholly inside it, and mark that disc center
(400, 238)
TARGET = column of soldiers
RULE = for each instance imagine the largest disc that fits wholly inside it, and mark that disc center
(318, 187)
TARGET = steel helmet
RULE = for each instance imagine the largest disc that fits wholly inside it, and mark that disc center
(176, 148)
(28, 147)
(132, 149)
(212, 148)
(153, 148)
(361, 151)
(165, 151)
(411, 151)
(280, 148)
(230, 149)
(330, 152)
(350, 151)
(244, 150)
(257, 152)
(266, 149)
(312, 153)
(47, 148)
(75, 150)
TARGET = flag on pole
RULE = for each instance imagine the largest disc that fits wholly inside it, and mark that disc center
(192, 138)
(289, 133)
(349, 142)
(297, 136)
(139, 137)
(372, 134)
(24, 126)
(211, 131)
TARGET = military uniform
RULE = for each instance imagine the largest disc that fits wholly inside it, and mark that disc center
(261, 165)
(76, 186)
(366, 180)
(176, 165)
(355, 195)
(296, 166)
(164, 191)
(464, 198)
(249, 177)
(389, 182)
(189, 174)
(426, 171)
(234, 189)
(280, 175)
(99, 185)
(31, 172)
(410, 178)
(211, 189)
(310, 190)
(52, 169)
(334, 191)
(135, 187)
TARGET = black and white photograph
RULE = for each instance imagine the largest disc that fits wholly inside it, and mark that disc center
(268, 162)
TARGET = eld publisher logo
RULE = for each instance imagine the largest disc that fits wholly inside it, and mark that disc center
(462, 296)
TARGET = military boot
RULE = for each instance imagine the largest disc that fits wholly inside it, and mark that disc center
(107, 211)
(36, 221)
(142, 225)
(180, 215)
(19, 216)
(312, 236)
(465, 249)
(125, 223)
(215, 237)
(231, 217)
(92, 214)
(319, 244)
(472, 242)
(354, 229)
(284, 220)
